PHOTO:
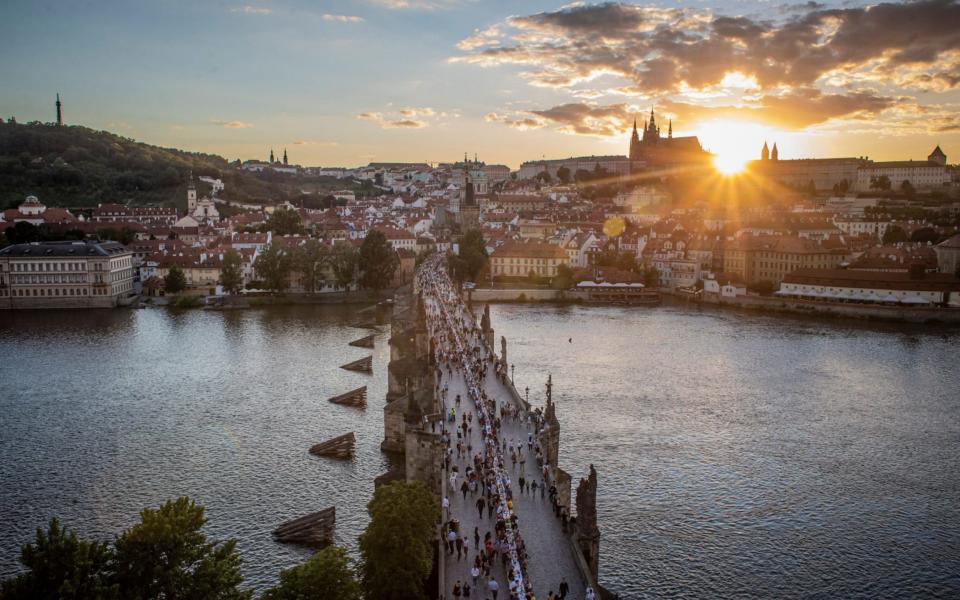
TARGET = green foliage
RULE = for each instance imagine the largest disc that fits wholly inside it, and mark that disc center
(925, 235)
(880, 183)
(563, 174)
(564, 277)
(24, 233)
(80, 166)
(378, 261)
(124, 235)
(273, 266)
(186, 302)
(175, 280)
(397, 545)
(764, 287)
(894, 235)
(308, 260)
(167, 556)
(344, 261)
(327, 575)
(231, 272)
(651, 277)
(60, 566)
(543, 177)
(284, 221)
(473, 252)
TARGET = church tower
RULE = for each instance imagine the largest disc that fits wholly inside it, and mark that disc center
(774, 154)
(191, 196)
(271, 156)
(635, 143)
(285, 157)
(59, 112)
(937, 156)
(670, 130)
(765, 152)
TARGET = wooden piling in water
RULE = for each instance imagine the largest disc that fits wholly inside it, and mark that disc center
(314, 530)
(364, 342)
(338, 447)
(364, 365)
(357, 398)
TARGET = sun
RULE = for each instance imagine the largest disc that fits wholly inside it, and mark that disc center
(729, 164)
(733, 143)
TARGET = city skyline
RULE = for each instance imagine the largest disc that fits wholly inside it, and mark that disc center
(346, 83)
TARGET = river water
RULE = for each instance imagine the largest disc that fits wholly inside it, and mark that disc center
(738, 455)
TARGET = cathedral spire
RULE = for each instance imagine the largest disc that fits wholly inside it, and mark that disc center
(284, 157)
(59, 112)
(765, 152)
(271, 156)
(774, 154)
(670, 129)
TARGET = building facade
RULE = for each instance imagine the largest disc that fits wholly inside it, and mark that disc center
(518, 260)
(70, 274)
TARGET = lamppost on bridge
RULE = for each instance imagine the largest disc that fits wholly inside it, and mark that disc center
(511, 373)
(527, 391)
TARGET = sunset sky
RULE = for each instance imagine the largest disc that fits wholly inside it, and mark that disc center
(344, 83)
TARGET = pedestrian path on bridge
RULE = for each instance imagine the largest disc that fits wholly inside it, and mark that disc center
(538, 546)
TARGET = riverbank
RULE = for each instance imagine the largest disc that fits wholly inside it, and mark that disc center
(754, 304)
(832, 310)
(265, 299)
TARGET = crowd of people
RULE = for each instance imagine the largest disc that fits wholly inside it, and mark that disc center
(459, 349)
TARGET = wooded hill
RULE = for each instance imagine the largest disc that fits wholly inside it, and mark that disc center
(76, 166)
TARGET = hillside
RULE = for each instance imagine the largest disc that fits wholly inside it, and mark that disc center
(77, 166)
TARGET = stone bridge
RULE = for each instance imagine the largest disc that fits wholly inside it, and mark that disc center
(560, 539)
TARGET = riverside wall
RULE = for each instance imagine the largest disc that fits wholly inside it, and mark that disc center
(838, 310)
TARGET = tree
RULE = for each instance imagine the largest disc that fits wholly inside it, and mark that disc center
(308, 261)
(397, 546)
(167, 556)
(378, 261)
(61, 566)
(284, 221)
(651, 277)
(880, 183)
(231, 272)
(343, 261)
(764, 287)
(473, 251)
(907, 188)
(23, 232)
(925, 235)
(175, 281)
(273, 267)
(563, 174)
(894, 235)
(543, 177)
(564, 277)
(327, 575)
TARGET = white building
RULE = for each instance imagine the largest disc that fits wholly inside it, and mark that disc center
(69, 274)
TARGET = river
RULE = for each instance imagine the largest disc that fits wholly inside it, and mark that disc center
(738, 455)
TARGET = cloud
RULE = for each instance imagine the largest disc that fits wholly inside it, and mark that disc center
(343, 18)
(231, 124)
(248, 9)
(660, 50)
(312, 143)
(797, 109)
(416, 112)
(417, 4)
(404, 124)
(387, 122)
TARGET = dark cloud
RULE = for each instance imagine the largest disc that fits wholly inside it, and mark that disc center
(586, 119)
(661, 49)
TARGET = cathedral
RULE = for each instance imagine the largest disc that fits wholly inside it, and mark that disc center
(658, 151)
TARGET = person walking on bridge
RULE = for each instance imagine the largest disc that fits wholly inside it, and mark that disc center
(480, 503)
